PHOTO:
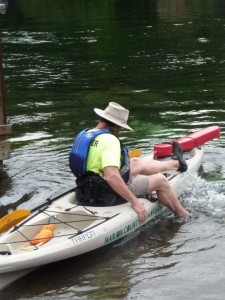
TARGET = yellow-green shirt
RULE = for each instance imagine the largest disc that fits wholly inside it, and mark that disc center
(104, 152)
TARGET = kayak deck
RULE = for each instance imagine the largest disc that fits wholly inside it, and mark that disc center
(68, 224)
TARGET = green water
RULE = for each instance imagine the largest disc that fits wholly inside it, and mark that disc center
(166, 66)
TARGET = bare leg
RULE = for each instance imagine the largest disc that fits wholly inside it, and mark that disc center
(166, 195)
(148, 166)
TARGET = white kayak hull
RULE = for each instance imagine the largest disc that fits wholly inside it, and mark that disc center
(78, 229)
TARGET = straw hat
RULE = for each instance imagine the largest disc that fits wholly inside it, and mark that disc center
(116, 114)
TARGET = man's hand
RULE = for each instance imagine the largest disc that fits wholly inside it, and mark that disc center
(141, 211)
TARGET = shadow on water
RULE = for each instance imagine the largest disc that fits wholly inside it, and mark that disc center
(5, 186)
(5, 181)
(101, 274)
(13, 206)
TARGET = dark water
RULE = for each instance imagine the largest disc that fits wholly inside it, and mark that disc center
(165, 61)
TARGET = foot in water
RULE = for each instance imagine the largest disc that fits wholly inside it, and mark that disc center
(193, 215)
(178, 155)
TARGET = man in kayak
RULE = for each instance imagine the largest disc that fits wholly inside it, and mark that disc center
(106, 176)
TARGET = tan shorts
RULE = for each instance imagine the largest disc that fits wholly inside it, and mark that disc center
(139, 185)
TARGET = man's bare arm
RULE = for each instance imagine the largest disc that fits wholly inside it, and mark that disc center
(114, 179)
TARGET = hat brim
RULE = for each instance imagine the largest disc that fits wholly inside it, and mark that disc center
(111, 118)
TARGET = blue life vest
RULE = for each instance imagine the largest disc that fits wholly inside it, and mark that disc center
(80, 148)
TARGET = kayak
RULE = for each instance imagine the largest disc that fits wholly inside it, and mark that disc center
(59, 228)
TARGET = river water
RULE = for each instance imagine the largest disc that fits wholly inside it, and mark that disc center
(165, 61)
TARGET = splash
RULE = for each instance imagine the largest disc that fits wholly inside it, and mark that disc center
(207, 197)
